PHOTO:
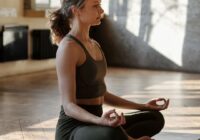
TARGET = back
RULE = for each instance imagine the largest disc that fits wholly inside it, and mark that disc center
(67, 59)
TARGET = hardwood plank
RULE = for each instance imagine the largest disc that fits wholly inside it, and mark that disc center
(49, 128)
(32, 130)
(10, 130)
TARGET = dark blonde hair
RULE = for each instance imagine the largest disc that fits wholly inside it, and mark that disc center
(59, 19)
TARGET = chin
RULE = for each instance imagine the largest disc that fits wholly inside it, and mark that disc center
(96, 24)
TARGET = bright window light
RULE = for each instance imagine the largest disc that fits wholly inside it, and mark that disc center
(46, 2)
(54, 3)
(43, 4)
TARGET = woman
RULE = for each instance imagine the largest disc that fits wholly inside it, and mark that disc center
(81, 68)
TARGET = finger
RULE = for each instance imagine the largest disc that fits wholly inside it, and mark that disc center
(123, 118)
(152, 100)
(162, 99)
(108, 113)
(157, 107)
(115, 122)
(167, 104)
(116, 115)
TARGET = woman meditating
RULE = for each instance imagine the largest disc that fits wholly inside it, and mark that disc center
(81, 69)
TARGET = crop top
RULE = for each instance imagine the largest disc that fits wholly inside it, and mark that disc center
(90, 75)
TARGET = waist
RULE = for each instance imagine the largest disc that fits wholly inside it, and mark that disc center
(93, 109)
(91, 101)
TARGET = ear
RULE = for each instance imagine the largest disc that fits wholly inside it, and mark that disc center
(75, 10)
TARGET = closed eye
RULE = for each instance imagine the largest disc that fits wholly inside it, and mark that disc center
(97, 5)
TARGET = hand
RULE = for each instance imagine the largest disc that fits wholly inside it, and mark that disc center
(152, 104)
(107, 119)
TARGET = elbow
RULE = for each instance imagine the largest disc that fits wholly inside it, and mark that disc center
(107, 99)
(68, 109)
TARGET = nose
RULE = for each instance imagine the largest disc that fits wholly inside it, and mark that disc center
(101, 11)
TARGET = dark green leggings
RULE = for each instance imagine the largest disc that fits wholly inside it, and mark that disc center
(141, 123)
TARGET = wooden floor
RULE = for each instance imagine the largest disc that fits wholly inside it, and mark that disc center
(29, 104)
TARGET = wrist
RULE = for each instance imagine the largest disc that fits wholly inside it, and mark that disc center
(142, 107)
(96, 120)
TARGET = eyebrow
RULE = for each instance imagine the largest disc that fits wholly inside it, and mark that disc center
(97, 1)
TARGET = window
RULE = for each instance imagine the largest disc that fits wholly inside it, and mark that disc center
(41, 4)
(54, 3)
(44, 4)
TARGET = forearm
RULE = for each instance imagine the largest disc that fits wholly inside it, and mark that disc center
(116, 101)
(78, 113)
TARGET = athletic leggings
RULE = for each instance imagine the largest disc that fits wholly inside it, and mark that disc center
(138, 124)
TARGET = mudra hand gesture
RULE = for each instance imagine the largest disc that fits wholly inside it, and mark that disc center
(154, 104)
(112, 118)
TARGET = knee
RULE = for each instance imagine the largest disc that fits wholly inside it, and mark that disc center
(99, 133)
(160, 121)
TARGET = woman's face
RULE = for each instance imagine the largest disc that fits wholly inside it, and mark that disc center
(91, 13)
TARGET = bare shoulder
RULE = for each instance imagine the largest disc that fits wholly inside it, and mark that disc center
(67, 46)
(68, 49)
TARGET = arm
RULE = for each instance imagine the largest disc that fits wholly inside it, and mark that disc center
(114, 100)
(66, 60)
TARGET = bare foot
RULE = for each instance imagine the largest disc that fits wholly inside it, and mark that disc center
(141, 138)
(145, 138)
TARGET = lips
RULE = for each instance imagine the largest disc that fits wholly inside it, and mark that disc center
(100, 17)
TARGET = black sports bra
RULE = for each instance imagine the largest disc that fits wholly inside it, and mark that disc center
(90, 75)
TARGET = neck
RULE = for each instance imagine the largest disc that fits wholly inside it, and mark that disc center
(80, 31)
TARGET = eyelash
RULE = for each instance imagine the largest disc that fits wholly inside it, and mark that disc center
(99, 5)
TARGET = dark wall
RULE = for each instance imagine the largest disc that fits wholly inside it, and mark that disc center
(124, 49)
